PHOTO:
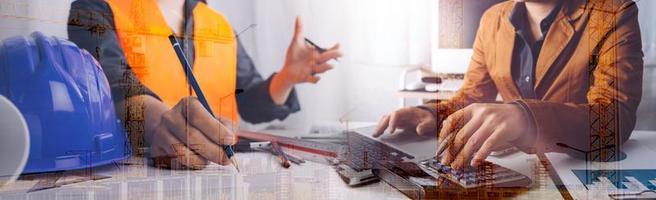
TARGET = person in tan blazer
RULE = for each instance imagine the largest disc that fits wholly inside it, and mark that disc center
(569, 72)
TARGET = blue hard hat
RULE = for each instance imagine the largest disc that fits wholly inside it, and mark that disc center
(65, 99)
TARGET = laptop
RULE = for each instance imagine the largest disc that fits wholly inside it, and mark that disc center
(363, 150)
(399, 149)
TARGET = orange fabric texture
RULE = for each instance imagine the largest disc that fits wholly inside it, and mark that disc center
(143, 34)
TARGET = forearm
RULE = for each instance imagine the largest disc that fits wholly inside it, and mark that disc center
(581, 126)
(280, 88)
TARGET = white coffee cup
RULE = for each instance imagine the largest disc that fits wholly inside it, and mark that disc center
(14, 142)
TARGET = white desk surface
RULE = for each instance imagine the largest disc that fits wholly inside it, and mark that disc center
(261, 178)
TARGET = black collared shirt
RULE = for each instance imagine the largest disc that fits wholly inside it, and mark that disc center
(525, 55)
(91, 27)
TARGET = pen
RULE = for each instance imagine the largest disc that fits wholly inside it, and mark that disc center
(290, 157)
(317, 47)
(256, 145)
(268, 147)
(283, 157)
(443, 145)
(295, 158)
(194, 84)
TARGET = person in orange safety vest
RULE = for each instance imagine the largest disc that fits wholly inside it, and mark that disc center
(130, 40)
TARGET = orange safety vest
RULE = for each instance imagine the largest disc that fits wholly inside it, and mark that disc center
(143, 34)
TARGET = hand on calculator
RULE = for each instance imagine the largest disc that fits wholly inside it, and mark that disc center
(477, 130)
(480, 129)
(486, 174)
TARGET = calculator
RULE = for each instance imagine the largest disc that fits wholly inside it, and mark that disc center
(486, 174)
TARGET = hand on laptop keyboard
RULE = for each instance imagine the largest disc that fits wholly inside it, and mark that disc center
(483, 128)
(412, 119)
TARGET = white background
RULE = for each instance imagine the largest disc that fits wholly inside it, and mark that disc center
(379, 37)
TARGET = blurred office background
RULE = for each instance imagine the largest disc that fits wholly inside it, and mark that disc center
(380, 38)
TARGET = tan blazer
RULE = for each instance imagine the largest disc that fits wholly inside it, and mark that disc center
(588, 74)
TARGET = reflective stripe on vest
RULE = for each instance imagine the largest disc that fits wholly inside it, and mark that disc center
(143, 34)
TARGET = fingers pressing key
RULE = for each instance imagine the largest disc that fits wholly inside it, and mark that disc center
(382, 126)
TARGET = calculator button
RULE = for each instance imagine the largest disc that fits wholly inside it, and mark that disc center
(446, 169)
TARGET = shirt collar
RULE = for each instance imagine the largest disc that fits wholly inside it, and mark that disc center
(547, 21)
(189, 7)
(518, 16)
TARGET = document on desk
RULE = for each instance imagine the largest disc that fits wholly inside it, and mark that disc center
(610, 180)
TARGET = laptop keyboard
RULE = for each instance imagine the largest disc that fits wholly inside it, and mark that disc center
(365, 153)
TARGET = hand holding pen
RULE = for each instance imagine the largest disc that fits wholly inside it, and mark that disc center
(318, 48)
(211, 146)
(304, 59)
(187, 136)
